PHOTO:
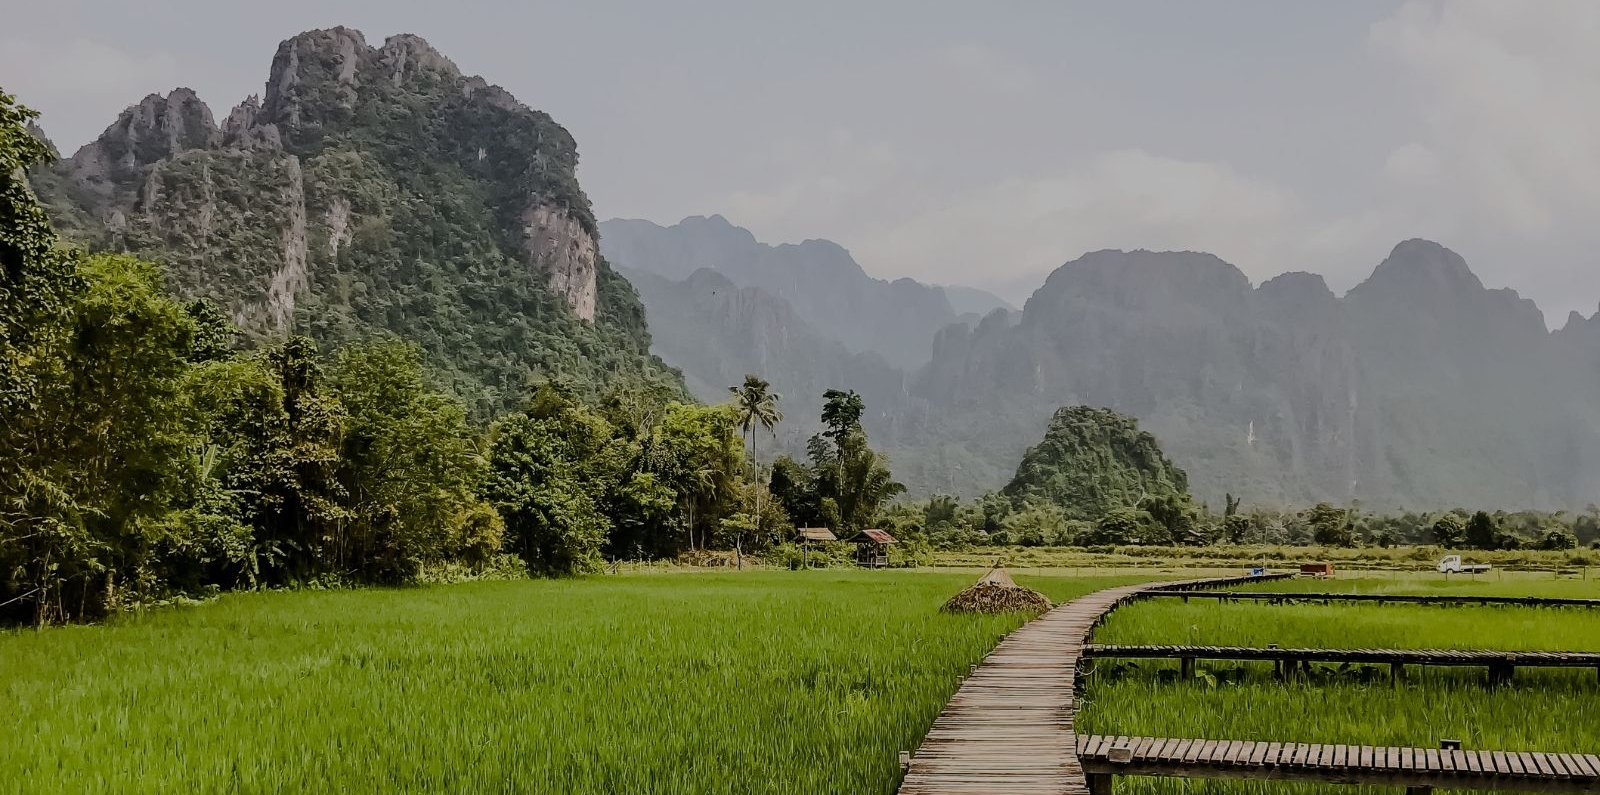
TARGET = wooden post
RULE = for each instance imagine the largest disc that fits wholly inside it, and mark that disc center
(905, 761)
(1501, 674)
(1419, 790)
(1397, 673)
(1099, 783)
(1186, 668)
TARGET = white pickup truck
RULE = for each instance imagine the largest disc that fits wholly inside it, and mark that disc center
(1451, 564)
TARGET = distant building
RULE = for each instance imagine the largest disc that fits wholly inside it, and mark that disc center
(872, 548)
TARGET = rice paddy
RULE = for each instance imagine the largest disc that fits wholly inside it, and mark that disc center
(768, 682)
(772, 682)
(1542, 710)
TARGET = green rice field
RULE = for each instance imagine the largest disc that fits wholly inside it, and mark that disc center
(1543, 710)
(771, 682)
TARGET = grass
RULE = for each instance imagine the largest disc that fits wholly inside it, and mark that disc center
(1492, 583)
(1543, 710)
(771, 682)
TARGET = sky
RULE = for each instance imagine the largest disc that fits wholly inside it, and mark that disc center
(981, 144)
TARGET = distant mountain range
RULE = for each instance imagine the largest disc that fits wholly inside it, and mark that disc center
(817, 278)
(1419, 388)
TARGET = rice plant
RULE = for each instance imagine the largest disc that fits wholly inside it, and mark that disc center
(1542, 710)
(773, 682)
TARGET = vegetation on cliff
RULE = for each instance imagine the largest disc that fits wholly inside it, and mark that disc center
(374, 192)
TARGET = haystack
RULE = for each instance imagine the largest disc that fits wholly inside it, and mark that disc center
(997, 593)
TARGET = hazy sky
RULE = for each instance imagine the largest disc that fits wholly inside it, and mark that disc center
(982, 143)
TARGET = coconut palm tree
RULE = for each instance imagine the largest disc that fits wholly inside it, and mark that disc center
(756, 407)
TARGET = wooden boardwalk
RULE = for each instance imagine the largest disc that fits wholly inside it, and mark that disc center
(1467, 657)
(1417, 769)
(1008, 729)
(1278, 597)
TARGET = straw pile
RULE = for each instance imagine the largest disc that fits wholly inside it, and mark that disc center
(997, 593)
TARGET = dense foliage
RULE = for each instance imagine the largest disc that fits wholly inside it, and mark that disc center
(1093, 460)
(847, 481)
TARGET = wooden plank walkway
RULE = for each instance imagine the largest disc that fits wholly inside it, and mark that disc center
(1440, 657)
(1008, 729)
(1279, 597)
(1418, 768)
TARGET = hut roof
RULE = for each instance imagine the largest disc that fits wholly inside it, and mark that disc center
(876, 536)
(817, 534)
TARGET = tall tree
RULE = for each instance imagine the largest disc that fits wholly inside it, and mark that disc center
(851, 479)
(841, 414)
(1481, 532)
(757, 408)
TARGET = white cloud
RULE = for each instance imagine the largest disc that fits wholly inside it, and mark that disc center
(1507, 93)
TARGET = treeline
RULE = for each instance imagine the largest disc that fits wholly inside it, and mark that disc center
(1175, 520)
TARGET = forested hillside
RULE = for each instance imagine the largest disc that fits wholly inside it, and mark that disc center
(371, 190)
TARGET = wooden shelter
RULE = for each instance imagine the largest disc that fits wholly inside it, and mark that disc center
(872, 548)
(810, 537)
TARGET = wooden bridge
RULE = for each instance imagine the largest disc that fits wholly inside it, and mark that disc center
(1282, 597)
(1418, 770)
(1009, 731)
(1502, 665)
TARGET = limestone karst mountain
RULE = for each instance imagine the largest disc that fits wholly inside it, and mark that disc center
(371, 189)
(1419, 388)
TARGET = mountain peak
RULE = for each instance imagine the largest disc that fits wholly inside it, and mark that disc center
(1422, 265)
(315, 68)
(407, 55)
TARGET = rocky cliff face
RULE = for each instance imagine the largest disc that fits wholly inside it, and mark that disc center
(1420, 388)
(818, 278)
(370, 189)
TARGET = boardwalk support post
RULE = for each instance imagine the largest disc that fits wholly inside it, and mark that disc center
(1419, 790)
(1501, 674)
(1099, 783)
(1397, 673)
(1186, 668)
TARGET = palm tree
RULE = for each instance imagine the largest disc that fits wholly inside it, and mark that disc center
(757, 407)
